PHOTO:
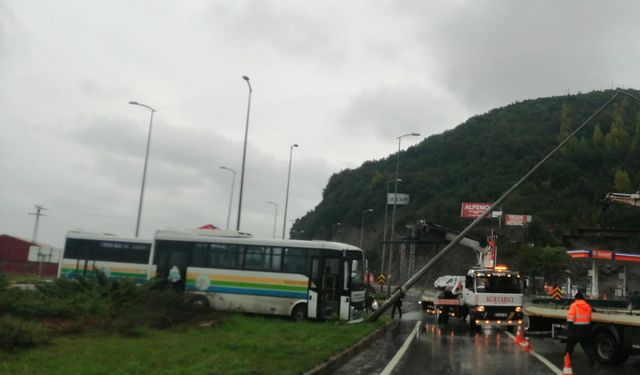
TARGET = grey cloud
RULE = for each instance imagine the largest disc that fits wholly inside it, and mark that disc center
(184, 168)
(387, 110)
(494, 55)
(298, 32)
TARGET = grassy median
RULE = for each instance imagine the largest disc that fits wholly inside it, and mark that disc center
(233, 344)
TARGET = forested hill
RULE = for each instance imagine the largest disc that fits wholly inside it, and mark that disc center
(481, 158)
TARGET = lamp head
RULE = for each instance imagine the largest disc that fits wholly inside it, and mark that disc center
(134, 103)
(294, 145)
(245, 78)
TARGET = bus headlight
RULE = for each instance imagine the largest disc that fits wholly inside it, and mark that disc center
(480, 309)
(518, 309)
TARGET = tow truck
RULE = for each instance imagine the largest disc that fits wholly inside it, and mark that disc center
(486, 296)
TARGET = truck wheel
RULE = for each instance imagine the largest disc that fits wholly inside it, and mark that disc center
(623, 355)
(607, 348)
(443, 318)
(472, 324)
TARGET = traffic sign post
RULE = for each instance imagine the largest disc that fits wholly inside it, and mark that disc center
(556, 293)
(382, 279)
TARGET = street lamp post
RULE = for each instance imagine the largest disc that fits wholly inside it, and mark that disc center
(233, 182)
(286, 200)
(244, 152)
(334, 230)
(362, 224)
(395, 199)
(146, 158)
(384, 231)
(275, 217)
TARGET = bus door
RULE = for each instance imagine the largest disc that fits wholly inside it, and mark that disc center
(325, 287)
(172, 266)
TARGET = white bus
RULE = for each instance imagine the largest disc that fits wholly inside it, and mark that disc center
(117, 258)
(237, 272)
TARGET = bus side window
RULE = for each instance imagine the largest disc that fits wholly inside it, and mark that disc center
(256, 258)
(224, 256)
(276, 259)
(199, 256)
(295, 261)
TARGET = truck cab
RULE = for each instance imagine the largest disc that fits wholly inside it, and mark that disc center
(493, 297)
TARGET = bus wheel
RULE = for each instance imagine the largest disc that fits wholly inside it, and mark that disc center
(198, 303)
(299, 313)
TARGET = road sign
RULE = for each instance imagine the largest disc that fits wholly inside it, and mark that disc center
(556, 294)
(401, 199)
(382, 279)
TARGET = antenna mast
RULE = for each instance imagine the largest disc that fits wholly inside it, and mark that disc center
(37, 214)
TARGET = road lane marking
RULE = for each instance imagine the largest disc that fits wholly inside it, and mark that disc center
(542, 359)
(400, 353)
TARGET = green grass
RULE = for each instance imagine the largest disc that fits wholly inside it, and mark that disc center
(239, 344)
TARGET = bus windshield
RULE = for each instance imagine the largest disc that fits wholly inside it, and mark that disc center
(497, 284)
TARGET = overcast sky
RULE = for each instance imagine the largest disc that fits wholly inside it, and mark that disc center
(342, 79)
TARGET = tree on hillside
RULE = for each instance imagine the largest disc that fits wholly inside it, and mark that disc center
(635, 144)
(566, 122)
(566, 127)
(548, 262)
(598, 138)
(617, 139)
(621, 181)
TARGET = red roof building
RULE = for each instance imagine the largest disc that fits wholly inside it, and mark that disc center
(24, 257)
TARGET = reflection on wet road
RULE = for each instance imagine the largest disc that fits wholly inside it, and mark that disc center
(454, 349)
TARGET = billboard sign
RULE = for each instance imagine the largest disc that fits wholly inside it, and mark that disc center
(473, 210)
(403, 199)
(517, 220)
(602, 254)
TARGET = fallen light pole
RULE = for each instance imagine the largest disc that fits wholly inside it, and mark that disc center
(418, 275)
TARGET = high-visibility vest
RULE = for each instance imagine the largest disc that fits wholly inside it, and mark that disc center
(579, 313)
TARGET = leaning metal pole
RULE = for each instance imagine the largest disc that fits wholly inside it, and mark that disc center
(391, 301)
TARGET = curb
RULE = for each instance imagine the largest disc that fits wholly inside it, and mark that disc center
(334, 362)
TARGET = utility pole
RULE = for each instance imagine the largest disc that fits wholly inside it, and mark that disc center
(34, 238)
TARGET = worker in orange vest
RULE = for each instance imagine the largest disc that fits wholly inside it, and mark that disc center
(579, 327)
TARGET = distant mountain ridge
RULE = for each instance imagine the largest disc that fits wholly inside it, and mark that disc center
(481, 158)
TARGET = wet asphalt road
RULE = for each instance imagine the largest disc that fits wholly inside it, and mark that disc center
(553, 350)
(454, 349)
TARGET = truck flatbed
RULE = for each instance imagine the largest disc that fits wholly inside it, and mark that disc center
(605, 317)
